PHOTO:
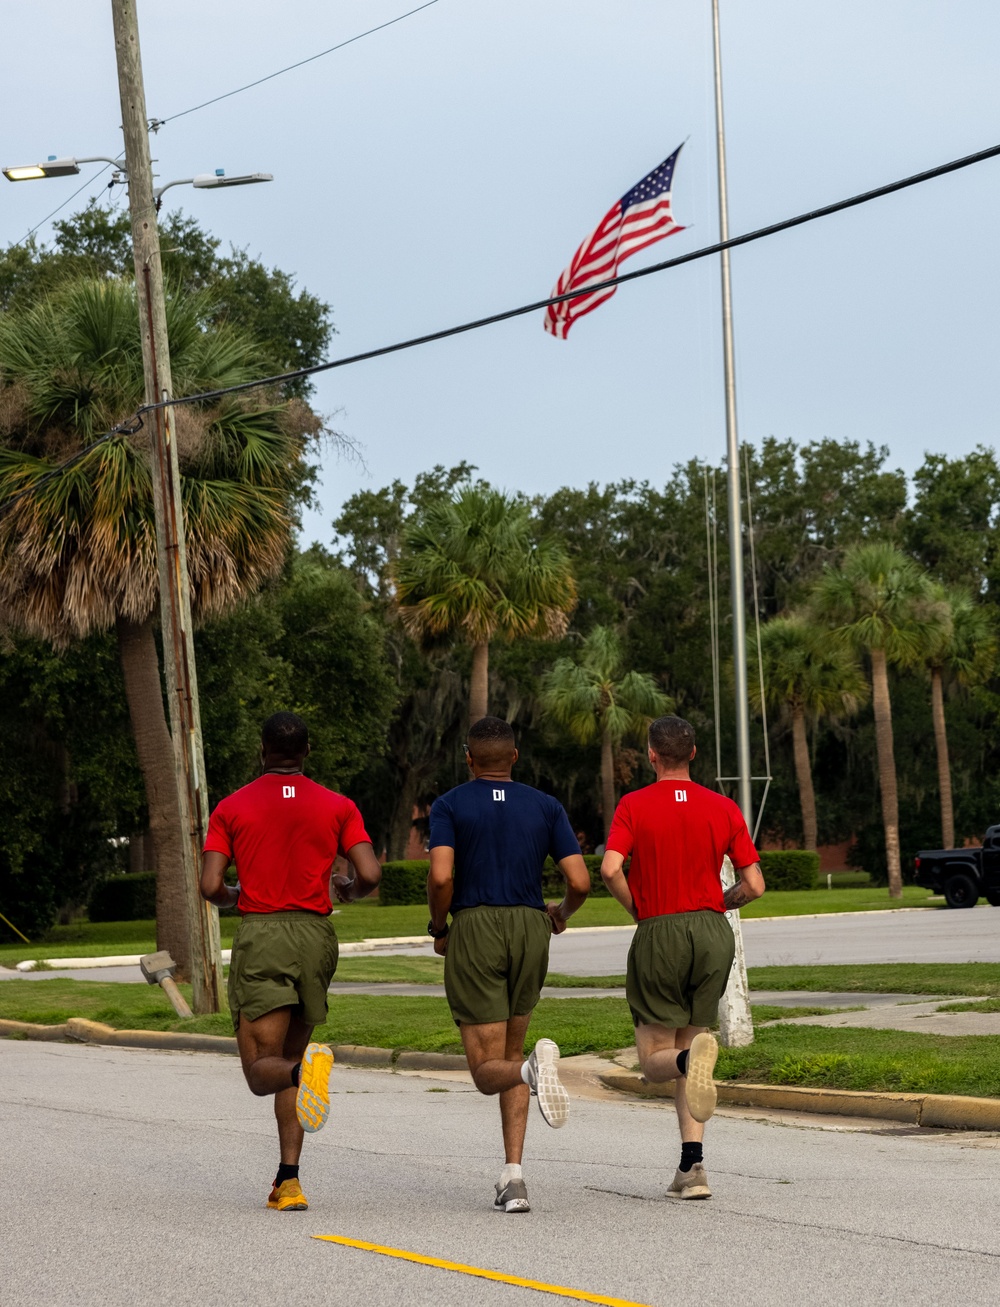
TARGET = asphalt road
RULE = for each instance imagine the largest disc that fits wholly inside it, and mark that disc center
(970, 935)
(134, 1177)
(909, 936)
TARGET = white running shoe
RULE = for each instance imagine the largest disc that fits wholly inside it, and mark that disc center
(699, 1084)
(544, 1082)
(511, 1197)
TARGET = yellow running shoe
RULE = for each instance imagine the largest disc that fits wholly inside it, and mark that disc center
(288, 1197)
(312, 1103)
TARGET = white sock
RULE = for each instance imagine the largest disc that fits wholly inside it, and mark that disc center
(512, 1171)
(524, 1073)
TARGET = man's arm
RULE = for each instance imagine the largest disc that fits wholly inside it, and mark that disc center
(613, 875)
(366, 873)
(749, 886)
(577, 878)
(213, 881)
(440, 887)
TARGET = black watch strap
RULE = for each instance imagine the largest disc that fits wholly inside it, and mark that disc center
(437, 934)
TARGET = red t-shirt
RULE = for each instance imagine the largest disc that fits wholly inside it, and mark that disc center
(283, 833)
(678, 834)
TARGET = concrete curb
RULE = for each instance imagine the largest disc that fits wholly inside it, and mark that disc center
(82, 1031)
(943, 1111)
(26, 1030)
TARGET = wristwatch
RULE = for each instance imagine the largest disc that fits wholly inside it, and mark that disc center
(437, 934)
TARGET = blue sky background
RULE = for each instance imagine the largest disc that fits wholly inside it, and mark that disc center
(449, 166)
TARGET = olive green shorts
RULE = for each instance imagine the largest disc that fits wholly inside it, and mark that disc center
(282, 959)
(678, 969)
(496, 963)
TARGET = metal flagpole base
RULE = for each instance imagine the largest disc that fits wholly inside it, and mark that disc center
(735, 1021)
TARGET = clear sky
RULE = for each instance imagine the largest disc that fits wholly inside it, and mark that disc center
(449, 166)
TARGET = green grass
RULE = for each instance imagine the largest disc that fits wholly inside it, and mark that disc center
(984, 1005)
(393, 970)
(771, 1012)
(881, 1060)
(965, 978)
(795, 1055)
(369, 921)
(795, 903)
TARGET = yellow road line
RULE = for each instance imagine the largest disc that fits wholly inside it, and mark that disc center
(558, 1289)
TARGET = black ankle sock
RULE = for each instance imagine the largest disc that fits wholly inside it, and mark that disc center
(691, 1155)
(286, 1172)
(296, 1069)
(682, 1062)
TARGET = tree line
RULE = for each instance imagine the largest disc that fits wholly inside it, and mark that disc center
(577, 615)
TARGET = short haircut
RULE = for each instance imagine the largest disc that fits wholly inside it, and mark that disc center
(491, 741)
(671, 738)
(285, 736)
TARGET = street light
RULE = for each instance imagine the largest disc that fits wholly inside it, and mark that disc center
(69, 167)
(210, 180)
(53, 167)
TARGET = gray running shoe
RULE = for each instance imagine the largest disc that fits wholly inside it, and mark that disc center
(698, 1083)
(512, 1197)
(543, 1079)
(690, 1184)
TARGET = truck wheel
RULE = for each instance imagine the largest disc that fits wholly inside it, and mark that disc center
(993, 898)
(961, 891)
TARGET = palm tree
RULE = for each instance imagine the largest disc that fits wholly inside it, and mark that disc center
(806, 678)
(596, 699)
(79, 555)
(880, 604)
(472, 567)
(964, 653)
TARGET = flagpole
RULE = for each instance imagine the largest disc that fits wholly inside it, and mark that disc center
(735, 1020)
(733, 461)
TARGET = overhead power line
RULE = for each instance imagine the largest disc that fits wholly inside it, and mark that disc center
(28, 234)
(156, 123)
(128, 428)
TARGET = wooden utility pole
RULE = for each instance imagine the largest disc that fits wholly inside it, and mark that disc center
(175, 598)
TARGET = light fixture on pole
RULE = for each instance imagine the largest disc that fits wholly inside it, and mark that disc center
(70, 167)
(54, 167)
(206, 181)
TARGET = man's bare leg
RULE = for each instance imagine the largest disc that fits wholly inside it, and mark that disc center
(495, 1053)
(658, 1047)
(290, 1133)
(261, 1045)
(514, 1102)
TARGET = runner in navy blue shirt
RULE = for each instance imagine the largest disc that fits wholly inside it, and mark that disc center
(489, 842)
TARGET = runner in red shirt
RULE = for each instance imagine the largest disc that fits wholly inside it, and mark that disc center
(677, 834)
(283, 832)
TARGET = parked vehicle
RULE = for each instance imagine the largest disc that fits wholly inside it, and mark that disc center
(963, 875)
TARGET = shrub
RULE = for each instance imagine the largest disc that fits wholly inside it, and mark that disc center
(124, 898)
(403, 882)
(790, 868)
(406, 882)
(553, 885)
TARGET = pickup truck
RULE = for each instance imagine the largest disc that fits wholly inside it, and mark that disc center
(963, 875)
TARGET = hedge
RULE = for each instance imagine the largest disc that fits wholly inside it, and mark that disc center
(790, 868)
(406, 882)
(124, 898)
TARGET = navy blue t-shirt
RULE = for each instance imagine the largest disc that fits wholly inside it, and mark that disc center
(501, 832)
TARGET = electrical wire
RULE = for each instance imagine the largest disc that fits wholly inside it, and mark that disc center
(156, 123)
(28, 235)
(705, 252)
(505, 315)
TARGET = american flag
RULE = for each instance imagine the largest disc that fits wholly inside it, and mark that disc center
(641, 217)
